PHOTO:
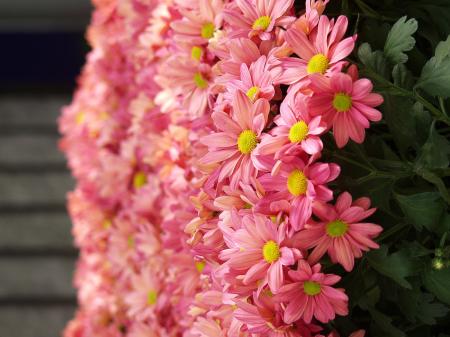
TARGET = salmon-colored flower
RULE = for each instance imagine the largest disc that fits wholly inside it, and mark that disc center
(259, 252)
(232, 147)
(345, 105)
(340, 231)
(321, 52)
(311, 295)
(294, 188)
(259, 17)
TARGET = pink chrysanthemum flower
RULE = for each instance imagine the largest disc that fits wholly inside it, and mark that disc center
(346, 106)
(189, 79)
(259, 252)
(258, 17)
(198, 26)
(295, 187)
(144, 298)
(296, 132)
(321, 52)
(311, 295)
(308, 21)
(238, 136)
(340, 231)
(255, 81)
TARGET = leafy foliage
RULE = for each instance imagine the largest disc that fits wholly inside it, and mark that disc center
(403, 288)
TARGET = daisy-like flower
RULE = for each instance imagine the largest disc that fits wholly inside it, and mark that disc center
(321, 52)
(340, 231)
(346, 105)
(144, 299)
(199, 25)
(296, 132)
(259, 252)
(188, 78)
(295, 186)
(238, 136)
(311, 295)
(255, 81)
(259, 17)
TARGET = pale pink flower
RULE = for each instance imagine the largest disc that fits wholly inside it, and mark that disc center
(311, 295)
(255, 81)
(145, 295)
(294, 188)
(321, 52)
(259, 252)
(198, 25)
(296, 132)
(340, 231)
(232, 147)
(346, 105)
(258, 17)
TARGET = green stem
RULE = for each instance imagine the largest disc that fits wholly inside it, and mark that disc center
(393, 230)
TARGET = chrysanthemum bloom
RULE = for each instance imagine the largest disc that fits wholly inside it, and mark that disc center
(340, 231)
(308, 21)
(255, 81)
(259, 252)
(295, 132)
(189, 79)
(295, 187)
(321, 52)
(259, 17)
(198, 25)
(311, 295)
(144, 299)
(345, 105)
(238, 136)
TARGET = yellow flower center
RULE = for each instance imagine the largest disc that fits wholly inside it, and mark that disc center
(311, 288)
(247, 141)
(318, 64)
(271, 251)
(200, 81)
(253, 93)
(261, 23)
(298, 132)
(152, 297)
(107, 223)
(139, 180)
(130, 241)
(342, 102)
(200, 265)
(208, 30)
(196, 53)
(297, 183)
(80, 117)
(336, 228)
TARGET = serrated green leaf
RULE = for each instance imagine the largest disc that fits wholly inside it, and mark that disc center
(435, 153)
(374, 60)
(418, 306)
(422, 209)
(384, 323)
(400, 40)
(396, 266)
(402, 76)
(437, 282)
(435, 76)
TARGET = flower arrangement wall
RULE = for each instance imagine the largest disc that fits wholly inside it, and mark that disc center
(262, 168)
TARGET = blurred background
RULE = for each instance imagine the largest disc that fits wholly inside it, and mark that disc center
(42, 51)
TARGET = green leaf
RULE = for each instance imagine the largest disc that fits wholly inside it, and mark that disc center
(402, 77)
(384, 323)
(435, 77)
(435, 153)
(437, 282)
(400, 40)
(422, 209)
(396, 266)
(418, 306)
(374, 60)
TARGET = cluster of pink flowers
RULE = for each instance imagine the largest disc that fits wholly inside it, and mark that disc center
(202, 208)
